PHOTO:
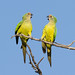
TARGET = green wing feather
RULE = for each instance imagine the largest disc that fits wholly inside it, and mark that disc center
(17, 28)
(55, 33)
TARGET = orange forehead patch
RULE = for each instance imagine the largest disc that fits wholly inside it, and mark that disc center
(29, 13)
(50, 15)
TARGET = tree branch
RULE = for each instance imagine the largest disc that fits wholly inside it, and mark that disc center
(54, 44)
(31, 62)
(35, 65)
(40, 60)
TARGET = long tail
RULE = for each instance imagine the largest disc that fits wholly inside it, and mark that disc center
(44, 47)
(24, 52)
(49, 55)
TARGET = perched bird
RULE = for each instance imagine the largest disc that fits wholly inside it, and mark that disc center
(49, 34)
(24, 27)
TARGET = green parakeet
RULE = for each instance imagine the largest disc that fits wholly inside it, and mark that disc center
(49, 34)
(24, 27)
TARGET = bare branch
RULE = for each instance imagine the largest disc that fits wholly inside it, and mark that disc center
(55, 43)
(40, 61)
(35, 66)
(31, 62)
(71, 43)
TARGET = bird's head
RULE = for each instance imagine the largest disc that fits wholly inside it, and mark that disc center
(52, 18)
(27, 16)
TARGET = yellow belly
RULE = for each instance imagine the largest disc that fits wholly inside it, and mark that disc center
(50, 33)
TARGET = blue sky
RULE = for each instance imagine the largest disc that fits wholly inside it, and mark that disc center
(11, 58)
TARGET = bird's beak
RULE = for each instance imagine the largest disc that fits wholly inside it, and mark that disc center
(31, 15)
(48, 17)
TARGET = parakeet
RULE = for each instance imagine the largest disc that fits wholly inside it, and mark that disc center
(24, 27)
(49, 34)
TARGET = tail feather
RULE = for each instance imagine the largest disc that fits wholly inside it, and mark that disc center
(17, 39)
(49, 55)
(24, 52)
(44, 47)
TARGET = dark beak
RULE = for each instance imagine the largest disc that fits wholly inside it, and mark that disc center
(31, 15)
(48, 17)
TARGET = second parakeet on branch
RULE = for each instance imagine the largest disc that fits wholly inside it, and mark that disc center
(49, 34)
(24, 27)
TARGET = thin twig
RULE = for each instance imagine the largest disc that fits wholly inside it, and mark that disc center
(31, 53)
(71, 43)
(55, 44)
(40, 61)
(35, 66)
(31, 62)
